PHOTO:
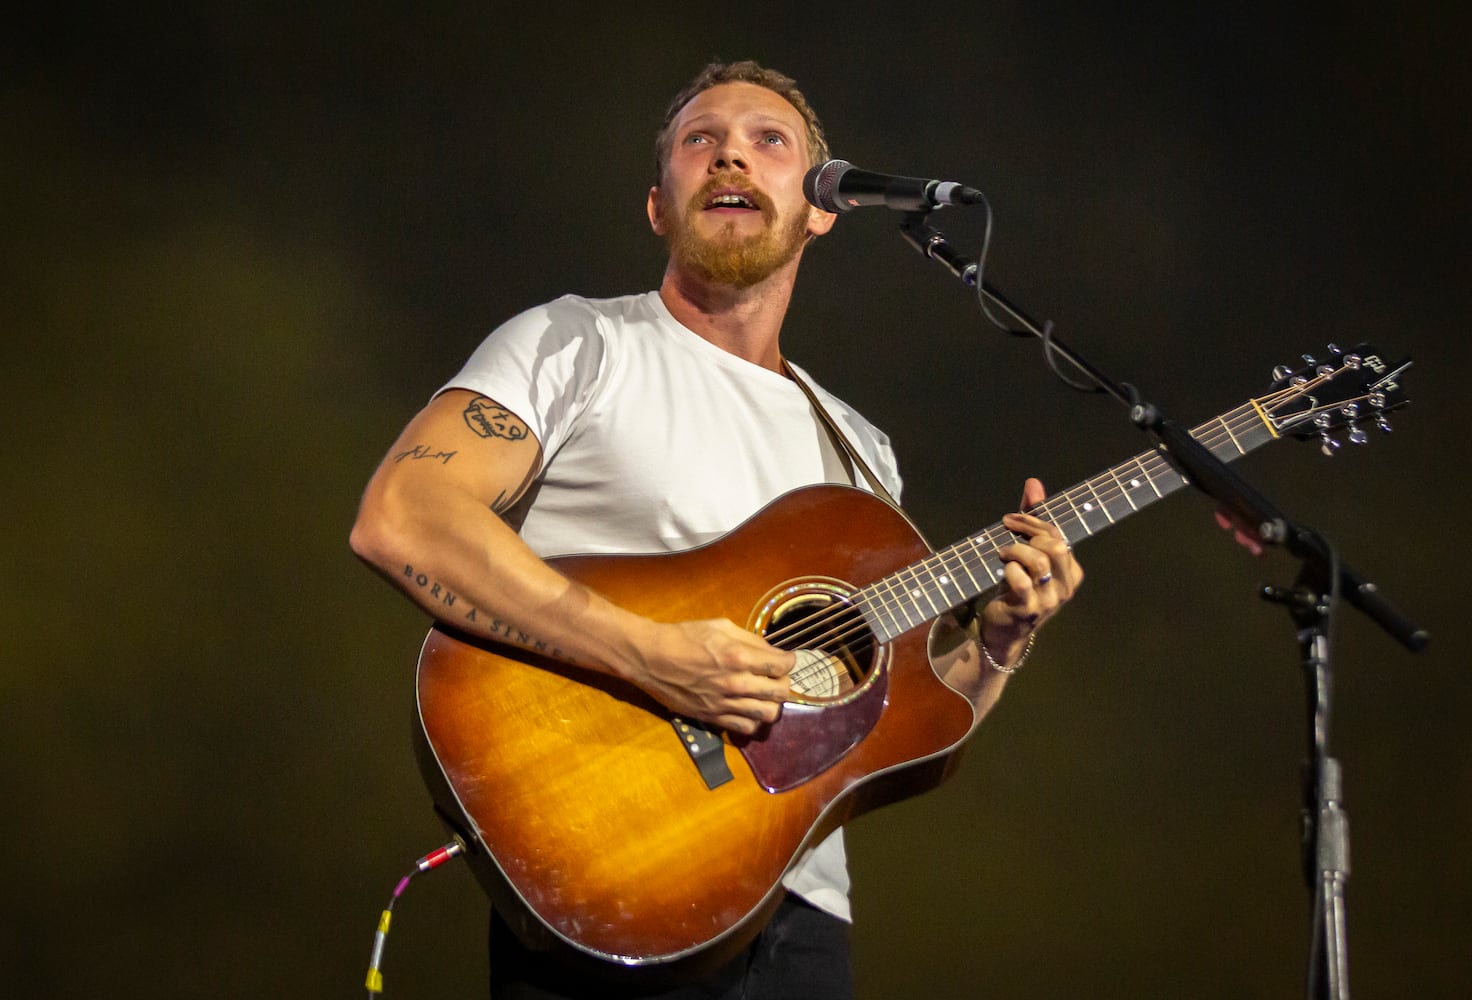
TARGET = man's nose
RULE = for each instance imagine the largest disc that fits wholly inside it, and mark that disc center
(728, 157)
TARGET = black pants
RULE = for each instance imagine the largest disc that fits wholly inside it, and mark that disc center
(802, 954)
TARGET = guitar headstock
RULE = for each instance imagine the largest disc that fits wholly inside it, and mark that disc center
(1353, 389)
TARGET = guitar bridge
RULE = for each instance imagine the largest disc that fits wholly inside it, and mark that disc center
(706, 749)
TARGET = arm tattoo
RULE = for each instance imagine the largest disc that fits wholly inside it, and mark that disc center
(489, 420)
(420, 451)
(472, 619)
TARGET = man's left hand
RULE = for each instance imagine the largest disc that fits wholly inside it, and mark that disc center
(1039, 576)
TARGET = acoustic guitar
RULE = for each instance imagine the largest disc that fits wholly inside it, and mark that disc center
(599, 822)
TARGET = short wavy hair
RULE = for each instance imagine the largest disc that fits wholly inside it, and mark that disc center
(745, 71)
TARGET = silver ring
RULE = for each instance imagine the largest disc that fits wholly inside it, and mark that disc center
(1045, 579)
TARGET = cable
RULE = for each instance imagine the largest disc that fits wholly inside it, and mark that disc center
(431, 860)
(1050, 351)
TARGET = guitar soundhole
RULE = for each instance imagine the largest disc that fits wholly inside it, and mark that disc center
(836, 653)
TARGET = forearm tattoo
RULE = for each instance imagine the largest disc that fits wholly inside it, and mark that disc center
(489, 420)
(472, 619)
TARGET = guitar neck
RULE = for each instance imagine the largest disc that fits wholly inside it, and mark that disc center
(954, 575)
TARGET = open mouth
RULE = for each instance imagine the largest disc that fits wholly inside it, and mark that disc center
(732, 200)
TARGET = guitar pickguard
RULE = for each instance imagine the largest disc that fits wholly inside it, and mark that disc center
(815, 617)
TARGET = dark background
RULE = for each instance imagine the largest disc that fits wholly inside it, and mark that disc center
(242, 247)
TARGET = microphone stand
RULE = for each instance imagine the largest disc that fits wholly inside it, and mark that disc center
(1322, 579)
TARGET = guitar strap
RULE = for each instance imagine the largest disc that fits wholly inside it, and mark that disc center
(855, 456)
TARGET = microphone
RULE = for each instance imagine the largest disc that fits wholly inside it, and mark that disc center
(838, 185)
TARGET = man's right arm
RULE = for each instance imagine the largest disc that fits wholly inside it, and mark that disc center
(430, 523)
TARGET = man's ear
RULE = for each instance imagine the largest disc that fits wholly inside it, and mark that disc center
(655, 209)
(819, 221)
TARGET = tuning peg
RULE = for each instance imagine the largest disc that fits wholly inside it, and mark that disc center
(1335, 350)
(1281, 372)
(1328, 445)
(1350, 410)
(1384, 424)
(1357, 435)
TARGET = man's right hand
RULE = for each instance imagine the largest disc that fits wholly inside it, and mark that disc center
(715, 672)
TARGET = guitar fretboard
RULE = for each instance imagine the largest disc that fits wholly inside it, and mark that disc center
(954, 575)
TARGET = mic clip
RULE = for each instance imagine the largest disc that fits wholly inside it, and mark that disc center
(930, 242)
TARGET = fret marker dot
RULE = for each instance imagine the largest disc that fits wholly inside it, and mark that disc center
(944, 579)
(914, 593)
(1134, 482)
(1088, 506)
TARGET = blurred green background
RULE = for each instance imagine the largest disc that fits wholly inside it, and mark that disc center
(243, 245)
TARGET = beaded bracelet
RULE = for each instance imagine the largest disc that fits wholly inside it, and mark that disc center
(1026, 651)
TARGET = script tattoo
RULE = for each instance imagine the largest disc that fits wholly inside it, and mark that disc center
(435, 590)
(474, 619)
(489, 420)
(420, 451)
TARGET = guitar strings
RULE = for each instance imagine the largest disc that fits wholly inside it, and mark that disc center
(1063, 510)
(803, 628)
(802, 631)
(840, 622)
(896, 590)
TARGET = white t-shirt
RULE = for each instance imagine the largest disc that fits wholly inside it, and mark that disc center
(655, 440)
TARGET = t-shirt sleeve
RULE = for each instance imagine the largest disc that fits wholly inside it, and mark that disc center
(543, 365)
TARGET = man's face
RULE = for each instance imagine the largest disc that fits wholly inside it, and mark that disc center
(730, 203)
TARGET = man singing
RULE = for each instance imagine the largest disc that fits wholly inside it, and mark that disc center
(656, 423)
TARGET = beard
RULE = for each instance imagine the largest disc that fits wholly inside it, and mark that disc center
(725, 258)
